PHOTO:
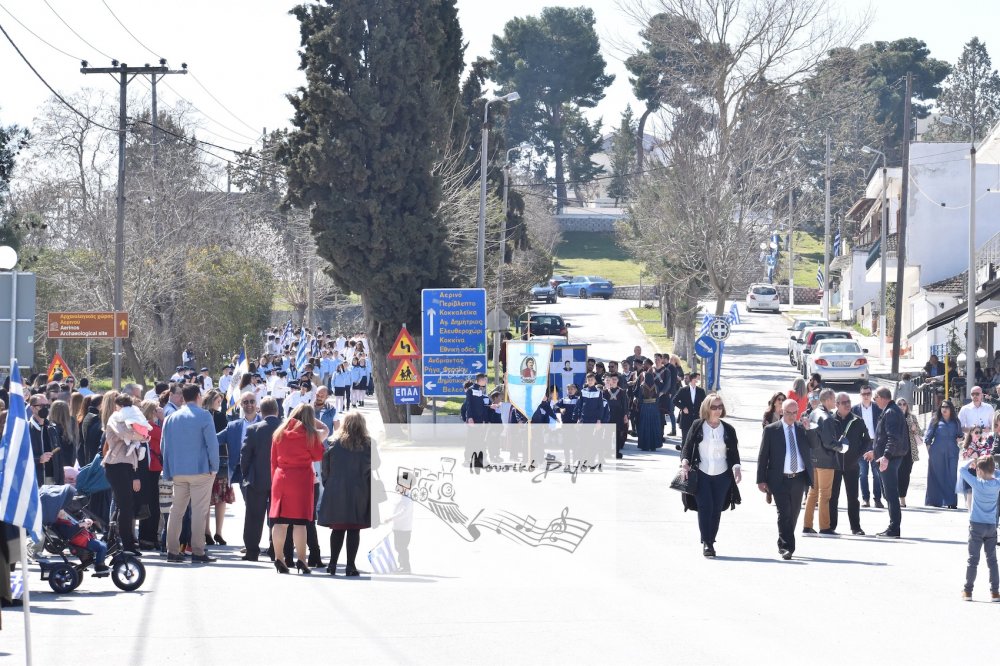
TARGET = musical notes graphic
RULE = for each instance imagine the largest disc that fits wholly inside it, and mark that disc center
(565, 533)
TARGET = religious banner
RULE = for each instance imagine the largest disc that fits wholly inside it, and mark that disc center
(569, 366)
(527, 373)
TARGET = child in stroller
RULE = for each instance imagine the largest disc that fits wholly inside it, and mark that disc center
(66, 528)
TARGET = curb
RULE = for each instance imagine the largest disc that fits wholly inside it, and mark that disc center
(635, 322)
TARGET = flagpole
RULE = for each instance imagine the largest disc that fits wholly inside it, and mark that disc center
(26, 596)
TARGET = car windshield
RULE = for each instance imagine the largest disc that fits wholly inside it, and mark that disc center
(544, 321)
(839, 348)
(765, 291)
(809, 323)
(830, 336)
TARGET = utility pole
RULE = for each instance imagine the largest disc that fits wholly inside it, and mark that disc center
(124, 75)
(897, 325)
(826, 238)
(791, 249)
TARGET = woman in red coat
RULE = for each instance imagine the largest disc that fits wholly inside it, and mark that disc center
(296, 445)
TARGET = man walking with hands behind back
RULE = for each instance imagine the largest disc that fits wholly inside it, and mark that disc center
(784, 469)
(255, 463)
(892, 442)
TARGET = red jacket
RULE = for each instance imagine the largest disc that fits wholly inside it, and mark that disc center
(155, 457)
(292, 450)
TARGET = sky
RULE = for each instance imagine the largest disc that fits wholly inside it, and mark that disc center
(242, 55)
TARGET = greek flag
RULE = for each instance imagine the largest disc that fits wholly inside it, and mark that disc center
(286, 335)
(302, 354)
(819, 278)
(382, 559)
(836, 244)
(706, 322)
(19, 504)
(234, 386)
(734, 314)
(568, 366)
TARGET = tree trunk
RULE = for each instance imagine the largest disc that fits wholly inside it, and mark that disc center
(640, 152)
(562, 199)
(134, 366)
(381, 335)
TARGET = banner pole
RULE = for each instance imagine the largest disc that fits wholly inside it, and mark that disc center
(26, 597)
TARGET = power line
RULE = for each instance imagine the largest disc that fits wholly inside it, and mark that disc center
(39, 37)
(209, 92)
(208, 117)
(124, 27)
(79, 36)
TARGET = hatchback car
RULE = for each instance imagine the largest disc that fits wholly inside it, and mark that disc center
(762, 297)
(543, 292)
(808, 340)
(838, 361)
(797, 327)
(543, 325)
(587, 286)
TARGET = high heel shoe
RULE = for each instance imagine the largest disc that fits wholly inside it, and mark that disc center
(315, 561)
(301, 567)
(219, 540)
(351, 571)
(331, 568)
(280, 567)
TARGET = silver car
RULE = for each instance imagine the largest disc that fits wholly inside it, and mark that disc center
(838, 361)
(799, 325)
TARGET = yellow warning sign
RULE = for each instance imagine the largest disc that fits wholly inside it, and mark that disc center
(404, 346)
(406, 374)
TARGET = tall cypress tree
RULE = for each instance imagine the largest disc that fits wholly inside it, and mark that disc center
(382, 82)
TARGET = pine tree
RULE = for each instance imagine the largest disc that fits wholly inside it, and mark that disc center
(972, 94)
(381, 88)
(624, 144)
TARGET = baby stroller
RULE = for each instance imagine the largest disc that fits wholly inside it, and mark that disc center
(127, 571)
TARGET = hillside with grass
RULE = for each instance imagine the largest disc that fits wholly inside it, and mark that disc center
(808, 257)
(589, 253)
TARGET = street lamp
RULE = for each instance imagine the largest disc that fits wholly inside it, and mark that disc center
(497, 338)
(481, 242)
(883, 250)
(970, 333)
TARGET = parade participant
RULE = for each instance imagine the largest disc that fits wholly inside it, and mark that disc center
(892, 443)
(916, 434)
(982, 523)
(477, 401)
(870, 414)
(665, 388)
(226, 379)
(859, 444)
(688, 400)
(568, 403)
(824, 447)
(255, 467)
(341, 386)
(617, 401)
(674, 364)
(205, 380)
(546, 413)
(650, 423)
(784, 470)
(591, 408)
(800, 394)
(773, 412)
(976, 413)
(298, 442)
(121, 464)
(301, 394)
(46, 446)
(941, 439)
(712, 451)
(149, 477)
(190, 451)
(359, 389)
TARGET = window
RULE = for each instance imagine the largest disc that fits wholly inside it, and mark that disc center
(839, 348)
(765, 291)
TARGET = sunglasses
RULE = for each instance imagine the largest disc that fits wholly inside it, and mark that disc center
(249, 402)
(716, 407)
(843, 402)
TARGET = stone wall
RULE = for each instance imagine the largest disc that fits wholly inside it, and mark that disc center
(631, 292)
(596, 223)
(803, 295)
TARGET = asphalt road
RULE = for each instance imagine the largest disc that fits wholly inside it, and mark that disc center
(653, 599)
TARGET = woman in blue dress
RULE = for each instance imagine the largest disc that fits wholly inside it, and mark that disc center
(650, 419)
(941, 439)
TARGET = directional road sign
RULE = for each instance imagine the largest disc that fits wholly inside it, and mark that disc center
(406, 395)
(87, 325)
(705, 346)
(719, 329)
(454, 328)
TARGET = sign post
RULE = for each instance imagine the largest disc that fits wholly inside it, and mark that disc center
(405, 381)
(454, 326)
(718, 330)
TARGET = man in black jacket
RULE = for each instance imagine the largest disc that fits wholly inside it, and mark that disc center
(859, 445)
(255, 463)
(46, 445)
(784, 469)
(824, 447)
(617, 400)
(892, 443)
(688, 400)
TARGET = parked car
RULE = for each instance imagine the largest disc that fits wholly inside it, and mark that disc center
(543, 292)
(557, 280)
(809, 338)
(838, 360)
(762, 297)
(544, 327)
(797, 327)
(587, 286)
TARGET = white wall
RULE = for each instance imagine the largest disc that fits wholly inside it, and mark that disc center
(855, 291)
(924, 307)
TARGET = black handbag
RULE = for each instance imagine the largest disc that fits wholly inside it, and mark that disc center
(687, 486)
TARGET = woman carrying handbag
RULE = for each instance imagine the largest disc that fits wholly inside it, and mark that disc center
(711, 452)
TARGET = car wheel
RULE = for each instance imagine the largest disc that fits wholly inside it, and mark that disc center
(583, 293)
(608, 297)
(559, 292)
(791, 359)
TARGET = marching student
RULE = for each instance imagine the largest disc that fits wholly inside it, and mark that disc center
(617, 401)
(568, 404)
(592, 408)
(477, 402)
(364, 386)
(341, 386)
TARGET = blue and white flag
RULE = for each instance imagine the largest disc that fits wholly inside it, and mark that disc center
(382, 558)
(706, 323)
(527, 374)
(302, 354)
(819, 278)
(234, 385)
(734, 314)
(836, 244)
(19, 503)
(286, 335)
(568, 366)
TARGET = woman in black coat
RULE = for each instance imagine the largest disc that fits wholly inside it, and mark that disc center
(711, 451)
(346, 505)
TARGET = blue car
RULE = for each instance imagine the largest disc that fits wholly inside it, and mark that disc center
(587, 286)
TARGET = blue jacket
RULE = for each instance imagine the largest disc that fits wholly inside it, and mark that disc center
(567, 405)
(327, 415)
(591, 407)
(189, 444)
(342, 378)
(476, 406)
(232, 436)
(984, 496)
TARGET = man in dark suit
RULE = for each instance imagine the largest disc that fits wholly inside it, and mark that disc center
(688, 400)
(869, 413)
(784, 469)
(255, 464)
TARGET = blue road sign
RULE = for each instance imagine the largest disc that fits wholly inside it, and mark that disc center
(454, 339)
(406, 395)
(706, 346)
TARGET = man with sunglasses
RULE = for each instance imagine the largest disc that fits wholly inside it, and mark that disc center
(784, 469)
(976, 414)
(892, 443)
(859, 444)
(870, 414)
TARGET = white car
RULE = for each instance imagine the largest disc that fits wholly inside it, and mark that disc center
(762, 297)
(838, 361)
(797, 327)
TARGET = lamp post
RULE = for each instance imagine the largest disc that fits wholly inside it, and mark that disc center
(970, 332)
(497, 339)
(883, 249)
(481, 242)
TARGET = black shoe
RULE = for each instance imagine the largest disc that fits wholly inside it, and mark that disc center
(829, 532)
(888, 535)
(952, 506)
(677, 446)
(147, 545)
(301, 567)
(785, 554)
(808, 530)
(331, 569)
(352, 572)
(858, 532)
(202, 559)
(133, 551)
(175, 557)
(208, 538)
(249, 558)
(866, 504)
(101, 571)
(879, 505)
(280, 567)
(219, 540)
(619, 455)
(673, 433)
(707, 550)
(315, 561)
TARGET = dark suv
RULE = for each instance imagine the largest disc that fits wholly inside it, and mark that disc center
(542, 324)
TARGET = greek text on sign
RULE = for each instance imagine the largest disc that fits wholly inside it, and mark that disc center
(454, 321)
(87, 325)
